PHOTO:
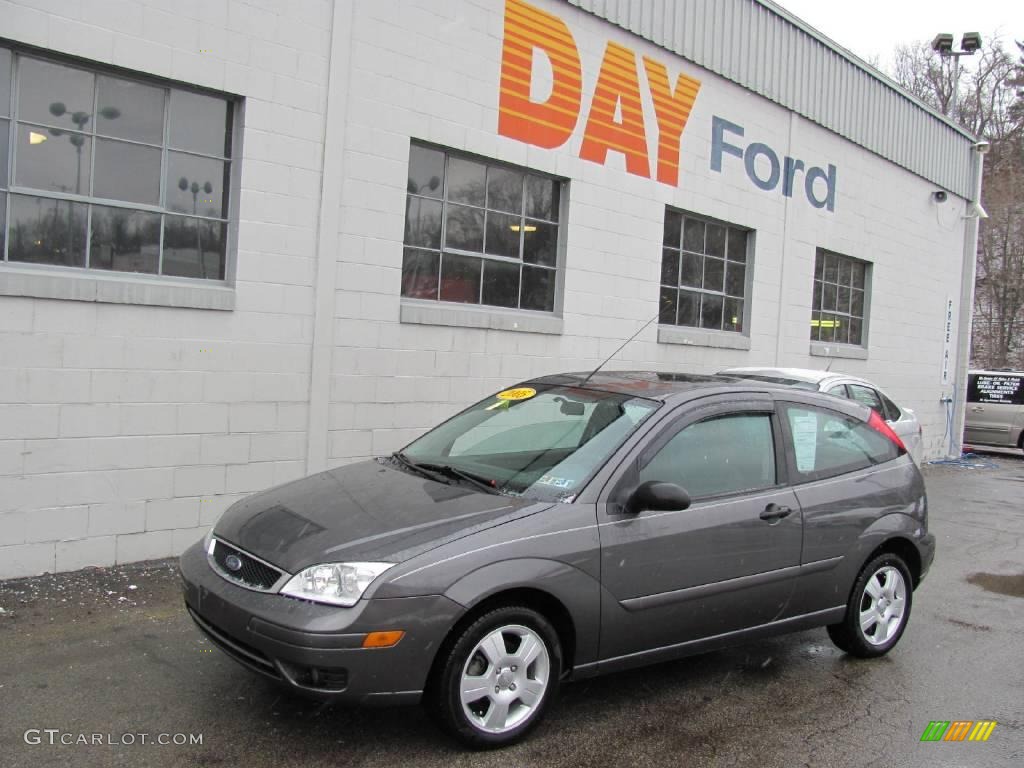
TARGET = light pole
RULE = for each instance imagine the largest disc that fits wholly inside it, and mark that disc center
(943, 45)
(185, 186)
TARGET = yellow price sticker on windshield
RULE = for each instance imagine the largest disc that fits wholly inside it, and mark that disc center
(521, 393)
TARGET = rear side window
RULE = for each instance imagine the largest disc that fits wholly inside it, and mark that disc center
(865, 395)
(891, 411)
(827, 443)
(726, 454)
(995, 389)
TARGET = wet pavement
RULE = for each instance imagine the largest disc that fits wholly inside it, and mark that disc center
(111, 652)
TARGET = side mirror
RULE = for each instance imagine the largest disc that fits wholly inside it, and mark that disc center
(657, 496)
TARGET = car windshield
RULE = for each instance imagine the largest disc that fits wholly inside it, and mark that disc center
(541, 442)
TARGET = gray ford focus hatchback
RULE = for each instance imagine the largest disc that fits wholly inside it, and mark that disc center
(570, 526)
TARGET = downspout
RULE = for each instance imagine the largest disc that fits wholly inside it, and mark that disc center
(967, 275)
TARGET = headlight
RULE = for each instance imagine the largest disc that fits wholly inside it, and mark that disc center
(334, 583)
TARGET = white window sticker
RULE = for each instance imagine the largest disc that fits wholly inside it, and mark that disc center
(804, 426)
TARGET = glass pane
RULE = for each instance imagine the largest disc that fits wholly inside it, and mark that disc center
(815, 326)
(715, 244)
(193, 247)
(673, 228)
(816, 298)
(49, 158)
(426, 172)
(667, 301)
(542, 198)
(128, 172)
(710, 311)
(733, 315)
(844, 271)
(693, 236)
(460, 278)
(423, 222)
(841, 329)
(857, 303)
(737, 245)
(501, 284)
(130, 110)
(54, 94)
(5, 82)
(124, 240)
(45, 231)
(464, 228)
(196, 185)
(692, 269)
(819, 265)
(714, 274)
(843, 299)
(669, 267)
(856, 327)
(828, 297)
(5, 129)
(540, 242)
(831, 268)
(858, 270)
(503, 234)
(735, 279)
(689, 308)
(466, 181)
(538, 289)
(420, 271)
(827, 327)
(504, 190)
(3, 223)
(200, 123)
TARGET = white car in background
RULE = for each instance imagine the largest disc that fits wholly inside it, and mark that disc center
(902, 420)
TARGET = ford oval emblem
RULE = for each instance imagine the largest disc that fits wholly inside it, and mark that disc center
(233, 563)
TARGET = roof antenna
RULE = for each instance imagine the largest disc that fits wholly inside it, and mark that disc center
(613, 354)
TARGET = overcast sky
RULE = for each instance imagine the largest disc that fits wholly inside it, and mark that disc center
(876, 27)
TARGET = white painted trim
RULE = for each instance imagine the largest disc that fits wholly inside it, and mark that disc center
(463, 316)
(328, 227)
(702, 337)
(831, 349)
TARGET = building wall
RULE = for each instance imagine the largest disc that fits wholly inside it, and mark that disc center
(126, 430)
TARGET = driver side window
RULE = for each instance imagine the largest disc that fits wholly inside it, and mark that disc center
(724, 454)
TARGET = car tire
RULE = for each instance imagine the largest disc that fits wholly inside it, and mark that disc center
(483, 659)
(878, 610)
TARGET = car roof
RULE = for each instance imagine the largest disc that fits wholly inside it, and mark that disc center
(808, 375)
(654, 385)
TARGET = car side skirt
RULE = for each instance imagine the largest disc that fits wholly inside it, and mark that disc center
(704, 644)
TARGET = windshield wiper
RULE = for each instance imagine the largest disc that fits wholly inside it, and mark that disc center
(443, 473)
(420, 469)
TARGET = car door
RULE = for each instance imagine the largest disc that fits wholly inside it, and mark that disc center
(725, 563)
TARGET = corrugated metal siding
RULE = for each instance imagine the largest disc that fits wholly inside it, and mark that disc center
(762, 48)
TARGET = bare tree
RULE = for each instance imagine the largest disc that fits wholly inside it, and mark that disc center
(989, 103)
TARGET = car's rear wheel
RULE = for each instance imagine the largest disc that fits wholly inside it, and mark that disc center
(498, 677)
(878, 610)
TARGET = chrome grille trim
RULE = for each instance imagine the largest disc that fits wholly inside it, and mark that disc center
(274, 588)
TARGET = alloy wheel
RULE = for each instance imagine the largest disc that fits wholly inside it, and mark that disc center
(883, 605)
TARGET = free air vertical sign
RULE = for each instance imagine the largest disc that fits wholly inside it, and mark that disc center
(545, 98)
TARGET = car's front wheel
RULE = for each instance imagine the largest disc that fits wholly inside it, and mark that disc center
(878, 610)
(498, 677)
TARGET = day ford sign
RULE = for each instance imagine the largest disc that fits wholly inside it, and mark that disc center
(541, 101)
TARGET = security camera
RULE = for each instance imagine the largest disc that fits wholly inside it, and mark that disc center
(982, 147)
(939, 195)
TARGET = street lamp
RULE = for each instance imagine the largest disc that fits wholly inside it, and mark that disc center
(186, 186)
(942, 44)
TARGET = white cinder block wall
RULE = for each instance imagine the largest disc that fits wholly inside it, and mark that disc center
(126, 430)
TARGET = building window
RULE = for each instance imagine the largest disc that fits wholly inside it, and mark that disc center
(837, 310)
(105, 172)
(479, 232)
(703, 273)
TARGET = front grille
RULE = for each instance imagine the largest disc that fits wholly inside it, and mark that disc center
(241, 652)
(252, 573)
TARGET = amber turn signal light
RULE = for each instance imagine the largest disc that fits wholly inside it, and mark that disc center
(383, 639)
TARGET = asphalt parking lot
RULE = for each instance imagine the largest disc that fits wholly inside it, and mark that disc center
(111, 652)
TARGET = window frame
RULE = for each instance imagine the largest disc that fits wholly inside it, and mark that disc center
(840, 348)
(437, 311)
(90, 283)
(664, 433)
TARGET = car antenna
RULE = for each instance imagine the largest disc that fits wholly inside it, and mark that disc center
(621, 346)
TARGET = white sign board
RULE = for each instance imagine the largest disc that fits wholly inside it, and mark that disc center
(947, 341)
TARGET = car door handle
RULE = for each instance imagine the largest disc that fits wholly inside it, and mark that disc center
(775, 512)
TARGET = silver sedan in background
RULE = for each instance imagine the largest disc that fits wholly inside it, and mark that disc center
(902, 420)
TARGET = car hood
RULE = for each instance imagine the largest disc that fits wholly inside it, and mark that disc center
(364, 512)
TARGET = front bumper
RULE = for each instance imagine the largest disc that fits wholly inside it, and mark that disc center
(316, 649)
